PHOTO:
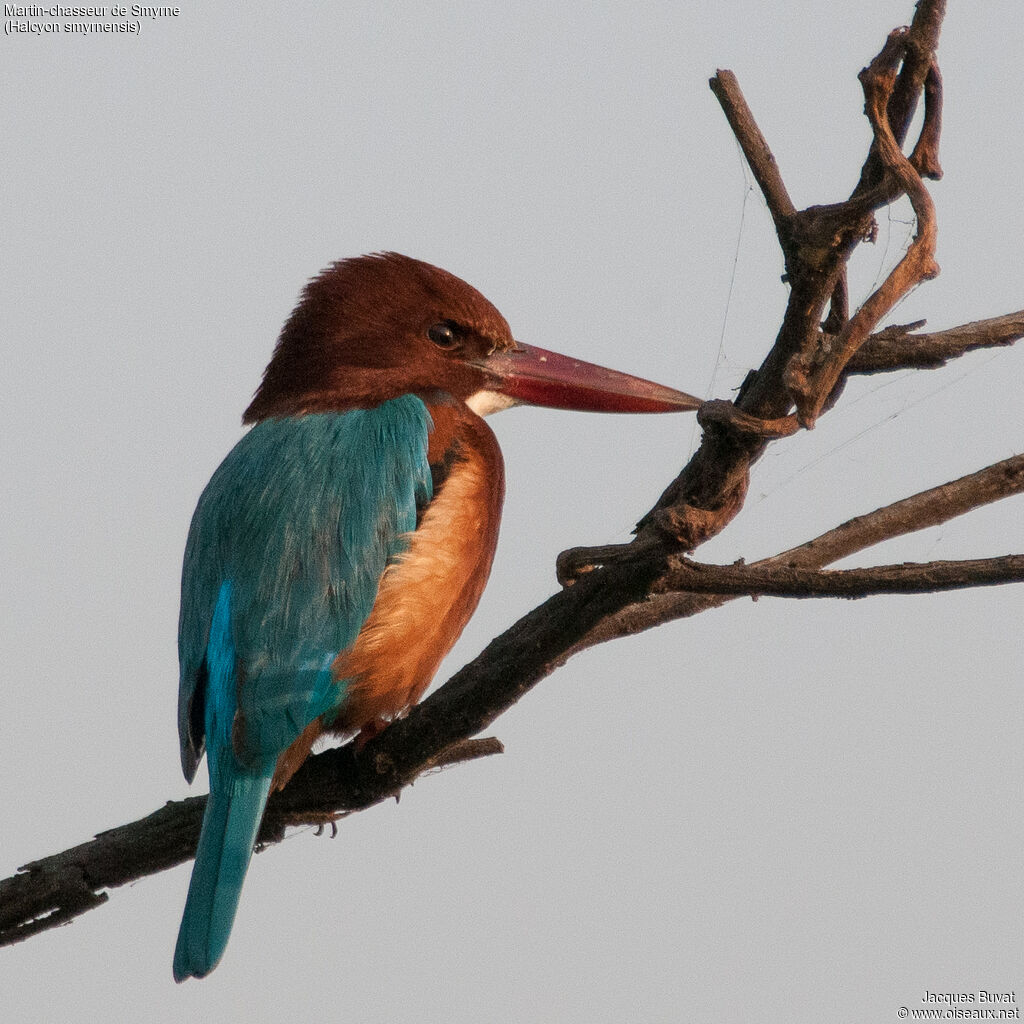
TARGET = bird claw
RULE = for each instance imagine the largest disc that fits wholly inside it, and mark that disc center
(371, 730)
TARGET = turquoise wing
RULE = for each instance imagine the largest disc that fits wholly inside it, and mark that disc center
(286, 550)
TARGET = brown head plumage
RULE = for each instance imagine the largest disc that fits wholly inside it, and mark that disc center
(374, 327)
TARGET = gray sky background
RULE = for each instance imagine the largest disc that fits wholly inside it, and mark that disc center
(781, 811)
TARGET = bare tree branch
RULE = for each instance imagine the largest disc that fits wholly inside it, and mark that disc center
(755, 148)
(628, 587)
(817, 243)
(928, 508)
(812, 376)
(613, 601)
(56, 889)
(896, 348)
(791, 581)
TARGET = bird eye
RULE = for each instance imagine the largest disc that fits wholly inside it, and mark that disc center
(444, 335)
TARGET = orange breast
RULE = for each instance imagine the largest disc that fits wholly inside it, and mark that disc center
(428, 594)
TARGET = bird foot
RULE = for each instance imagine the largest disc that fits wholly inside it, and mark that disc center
(370, 731)
(334, 826)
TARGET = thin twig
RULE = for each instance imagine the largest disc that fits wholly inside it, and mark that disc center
(791, 581)
(811, 383)
(896, 348)
(755, 148)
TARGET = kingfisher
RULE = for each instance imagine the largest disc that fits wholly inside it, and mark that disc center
(342, 545)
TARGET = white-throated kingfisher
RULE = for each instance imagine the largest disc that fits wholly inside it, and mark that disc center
(340, 548)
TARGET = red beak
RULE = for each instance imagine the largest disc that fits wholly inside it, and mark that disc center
(537, 377)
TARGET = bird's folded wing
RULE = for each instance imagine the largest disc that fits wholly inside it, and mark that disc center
(296, 527)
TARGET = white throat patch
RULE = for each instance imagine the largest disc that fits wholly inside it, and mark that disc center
(483, 403)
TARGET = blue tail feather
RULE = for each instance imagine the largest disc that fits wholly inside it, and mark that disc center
(232, 819)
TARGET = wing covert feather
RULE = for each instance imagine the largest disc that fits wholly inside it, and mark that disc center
(300, 520)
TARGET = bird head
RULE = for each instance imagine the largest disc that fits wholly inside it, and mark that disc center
(373, 328)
